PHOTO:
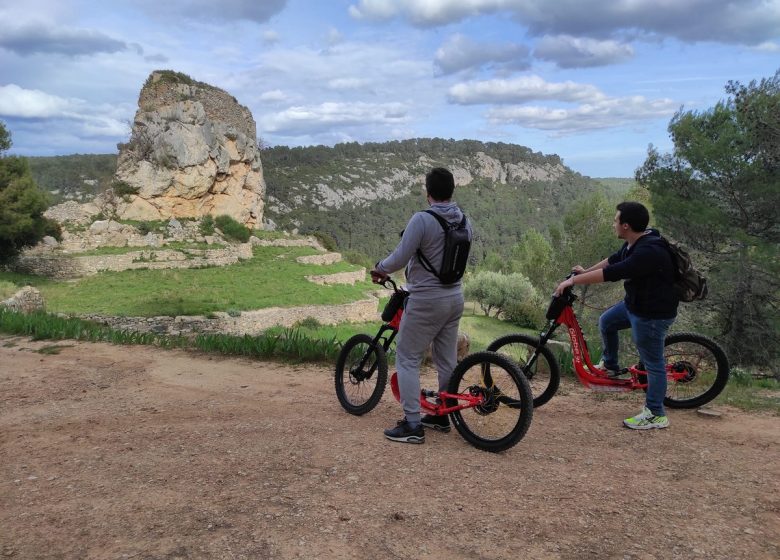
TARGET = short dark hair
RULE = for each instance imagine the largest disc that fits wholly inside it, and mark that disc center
(635, 215)
(439, 183)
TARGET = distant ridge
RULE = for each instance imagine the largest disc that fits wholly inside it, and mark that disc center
(361, 195)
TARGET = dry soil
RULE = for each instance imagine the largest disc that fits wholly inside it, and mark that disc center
(135, 452)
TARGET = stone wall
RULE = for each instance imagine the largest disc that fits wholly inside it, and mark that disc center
(26, 300)
(321, 259)
(69, 266)
(339, 277)
(248, 322)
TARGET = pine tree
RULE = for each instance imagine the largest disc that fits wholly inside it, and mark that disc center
(22, 204)
(718, 193)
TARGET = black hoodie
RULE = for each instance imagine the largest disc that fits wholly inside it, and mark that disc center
(648, 270)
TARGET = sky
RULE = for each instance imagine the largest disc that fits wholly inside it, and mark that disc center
(593, 81)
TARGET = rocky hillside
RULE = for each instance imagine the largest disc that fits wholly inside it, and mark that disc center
(362, 195)
(192, 152)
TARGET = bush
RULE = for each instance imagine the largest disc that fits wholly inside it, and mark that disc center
(231, 229)
(359, 259)
(526, 313)
(206, 226)
(122, 189)
(326, 240)
(509, 294)
(307, 323)
(7, 289)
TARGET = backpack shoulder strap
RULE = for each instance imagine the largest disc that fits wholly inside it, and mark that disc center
(445, 225)
(442, 222)
(426, 264)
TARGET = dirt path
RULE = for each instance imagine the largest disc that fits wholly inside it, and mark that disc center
(134, 452)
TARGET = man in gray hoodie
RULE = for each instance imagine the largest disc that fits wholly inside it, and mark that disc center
(433, 310)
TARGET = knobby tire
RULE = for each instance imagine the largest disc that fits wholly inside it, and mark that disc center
(359, 391)
(707, 364)
(506, 416)
(544, 375)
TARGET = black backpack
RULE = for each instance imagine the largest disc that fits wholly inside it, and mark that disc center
(456, 251)
(689, 283)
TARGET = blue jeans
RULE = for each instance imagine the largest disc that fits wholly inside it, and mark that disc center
(648, 336)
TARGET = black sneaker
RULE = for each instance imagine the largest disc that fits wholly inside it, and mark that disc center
(618, 373)
(404, 433)
(610, 371)
(438, 423)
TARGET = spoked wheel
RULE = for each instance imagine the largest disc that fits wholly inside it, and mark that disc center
(704, 365)
(505, 415)
(361, 374)
(543, 373)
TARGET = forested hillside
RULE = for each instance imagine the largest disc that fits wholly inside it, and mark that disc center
(362, 195)
(76, 177)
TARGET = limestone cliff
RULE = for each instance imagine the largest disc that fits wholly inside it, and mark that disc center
(193, 151)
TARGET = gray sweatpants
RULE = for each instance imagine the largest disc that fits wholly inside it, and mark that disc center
(425, 321)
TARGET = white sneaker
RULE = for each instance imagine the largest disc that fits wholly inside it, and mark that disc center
(646, 420)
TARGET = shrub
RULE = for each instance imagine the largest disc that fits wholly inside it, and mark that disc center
(206, 226)
(122, 189)
(230, 228)
(326, 240)
(359, 259)
(7, 289)
(307, 323)
(143, 228)
(509, 294)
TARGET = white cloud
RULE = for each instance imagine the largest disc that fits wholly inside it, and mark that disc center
(576, 52)
(273, 96)
(334, 37)
(425, 13)
(101, 120)
(520, 90)
(461, 53)
(748, 22)
(600, 114)
(348, 83)
(270, 37)
(31, 103)
(314, 118)
(768, 46)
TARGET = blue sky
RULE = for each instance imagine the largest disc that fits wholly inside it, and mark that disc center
(593, 81)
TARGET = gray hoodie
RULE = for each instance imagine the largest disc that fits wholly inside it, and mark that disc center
(425, 233)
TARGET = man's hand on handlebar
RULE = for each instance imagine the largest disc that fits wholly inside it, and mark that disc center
(577, 269)
(378, 277)
(563, 285)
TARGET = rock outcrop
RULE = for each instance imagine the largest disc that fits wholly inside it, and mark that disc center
(26, 300)
(192, 152)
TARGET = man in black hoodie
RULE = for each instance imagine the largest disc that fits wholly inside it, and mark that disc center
(649, 308)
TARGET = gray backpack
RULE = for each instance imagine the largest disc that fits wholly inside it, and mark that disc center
(689, 283)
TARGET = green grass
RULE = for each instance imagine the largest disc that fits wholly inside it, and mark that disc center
(7, 289)
(750, 393)
(481, 330)
(288, 345)
(271, 278)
